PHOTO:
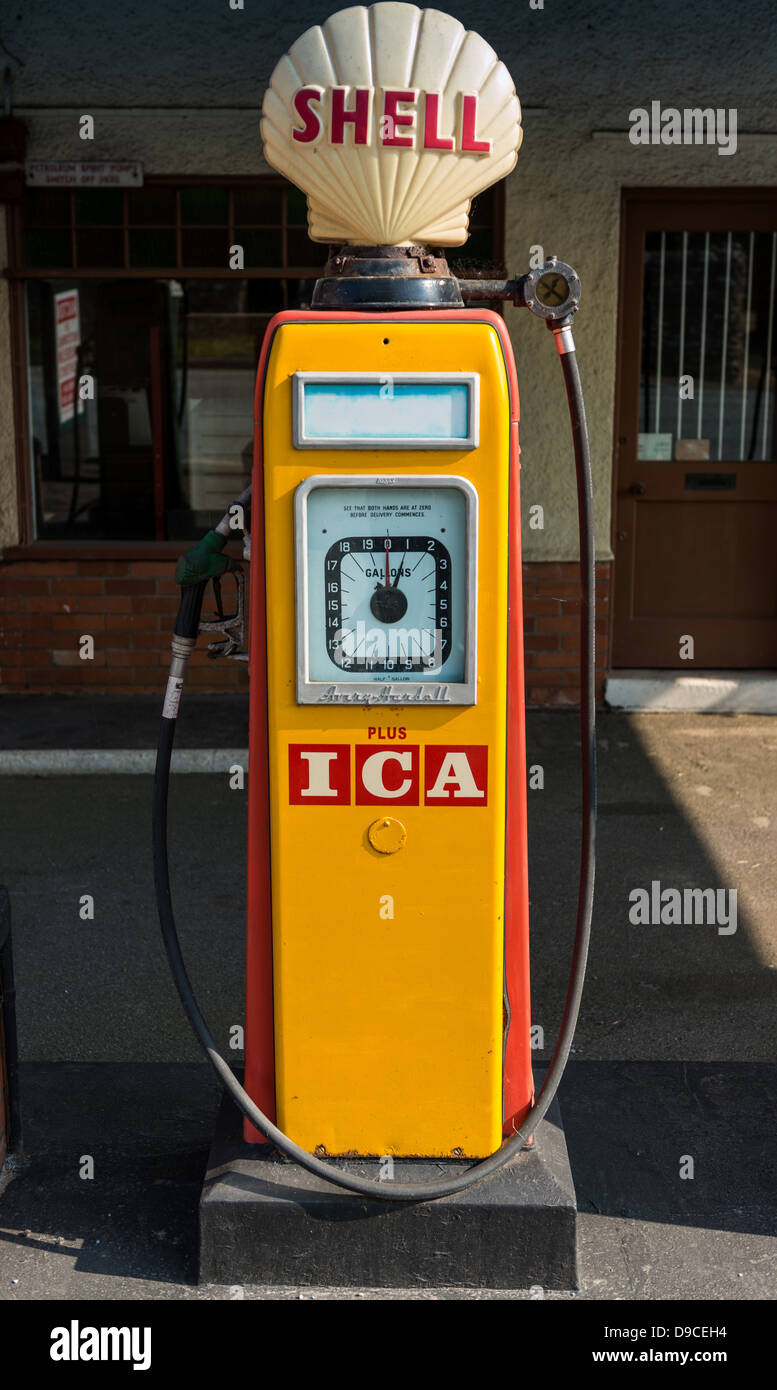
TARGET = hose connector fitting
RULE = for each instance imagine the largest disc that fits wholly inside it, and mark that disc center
(562, 335)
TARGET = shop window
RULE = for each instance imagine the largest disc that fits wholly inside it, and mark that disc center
(131, 290)
(167, 227)
(166, 439)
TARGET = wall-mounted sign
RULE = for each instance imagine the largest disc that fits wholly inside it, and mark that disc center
(391, 119)
(67, 336)
(79, 174)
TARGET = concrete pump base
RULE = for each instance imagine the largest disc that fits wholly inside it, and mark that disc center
(264, 1220)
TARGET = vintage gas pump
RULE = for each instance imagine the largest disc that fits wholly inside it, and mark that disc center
(388, 961)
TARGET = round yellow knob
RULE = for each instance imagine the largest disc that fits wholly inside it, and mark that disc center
(387, 835)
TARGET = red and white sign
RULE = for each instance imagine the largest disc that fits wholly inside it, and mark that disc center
(67, 336)
(320, 775)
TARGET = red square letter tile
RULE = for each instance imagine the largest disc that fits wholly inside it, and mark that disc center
(456, 776)
(320, 774)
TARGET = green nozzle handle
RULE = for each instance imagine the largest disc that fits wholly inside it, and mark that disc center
(204, 562)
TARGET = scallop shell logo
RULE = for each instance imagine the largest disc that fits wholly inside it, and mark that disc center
(391, 119)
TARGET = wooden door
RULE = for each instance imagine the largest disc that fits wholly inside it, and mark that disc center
(695, 514)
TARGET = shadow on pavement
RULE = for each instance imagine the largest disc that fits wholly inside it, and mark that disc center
(673, 1058)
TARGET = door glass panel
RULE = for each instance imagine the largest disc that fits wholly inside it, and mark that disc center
(707, 385)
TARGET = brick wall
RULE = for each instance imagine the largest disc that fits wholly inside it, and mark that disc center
(129, 607)
(551, 612)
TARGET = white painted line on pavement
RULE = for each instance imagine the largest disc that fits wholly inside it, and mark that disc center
(76, 762)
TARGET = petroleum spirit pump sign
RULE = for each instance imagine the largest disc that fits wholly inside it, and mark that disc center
(388, 988)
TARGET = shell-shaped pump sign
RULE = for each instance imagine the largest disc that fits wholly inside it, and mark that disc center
(391, 119)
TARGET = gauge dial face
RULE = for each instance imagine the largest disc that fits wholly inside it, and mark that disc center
(552, 289)
(389, 603)
(386, 580)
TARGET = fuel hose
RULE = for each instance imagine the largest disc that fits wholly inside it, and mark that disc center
(184, 638)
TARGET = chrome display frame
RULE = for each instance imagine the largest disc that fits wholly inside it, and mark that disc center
(302, 440)
(380, 690)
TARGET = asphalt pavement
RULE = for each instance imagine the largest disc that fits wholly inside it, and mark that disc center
(674, 1056)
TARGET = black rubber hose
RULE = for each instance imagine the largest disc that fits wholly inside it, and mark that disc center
(419, 1192)
(585, 518)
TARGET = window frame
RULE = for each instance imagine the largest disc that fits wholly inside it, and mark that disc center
(28, 546)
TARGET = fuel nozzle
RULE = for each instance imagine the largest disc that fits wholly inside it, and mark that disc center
(194, 571)
(205, 563)
(230, 626)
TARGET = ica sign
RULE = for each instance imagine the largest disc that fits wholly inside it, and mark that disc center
(321, 775)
